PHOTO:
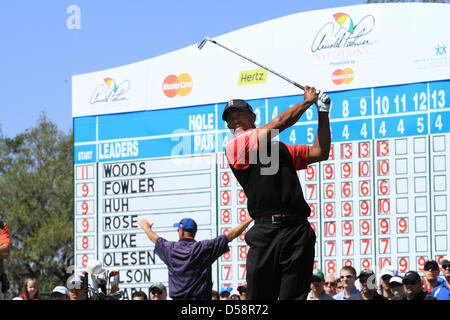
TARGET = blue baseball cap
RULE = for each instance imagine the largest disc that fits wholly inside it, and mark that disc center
(225, 289)
(186, 224)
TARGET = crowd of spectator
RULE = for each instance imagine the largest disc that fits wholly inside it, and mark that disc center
(390, 285)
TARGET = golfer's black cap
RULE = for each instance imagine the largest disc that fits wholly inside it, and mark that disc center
(236, 104)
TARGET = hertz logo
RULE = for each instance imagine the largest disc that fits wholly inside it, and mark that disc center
(252, 77)
(340, 76)
(181, 85)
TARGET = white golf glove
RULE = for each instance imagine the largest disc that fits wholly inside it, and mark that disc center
(323, 102)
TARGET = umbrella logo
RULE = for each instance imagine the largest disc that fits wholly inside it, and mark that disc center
(344, 21)
(111, 84)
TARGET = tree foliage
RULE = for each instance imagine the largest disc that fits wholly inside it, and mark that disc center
(36, 187)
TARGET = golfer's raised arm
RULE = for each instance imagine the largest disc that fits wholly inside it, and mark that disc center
(288, 117)
(320, 150)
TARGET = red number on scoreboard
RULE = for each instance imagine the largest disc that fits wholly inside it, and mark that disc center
(346, 151)
(365, 245)
(364, 207)
(331, 267)
(226, 216)
(329, 171)
(330, 229)
(329, 210)
(311, 191)
(364, 188)
(310, 173)
(242, 215)
(365, 227)
(384, 247)
(226, 179)
(347, 209)
(329, 191)
(384, 226)
(383, 187)
(225, 195)
(313, 210)
(383, 148)
(364, 149)
(347, 227)
(347, 189)
(85, 189)
(384, 206)
(346, 170)
(402, 225)
(403, 264)
(383, 167)
(242, 198)
(331, 155)
(348, 247)
(364, 169)
(84, 260)
(330, 246)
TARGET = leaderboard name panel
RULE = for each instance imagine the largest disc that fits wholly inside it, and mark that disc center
(161, 190)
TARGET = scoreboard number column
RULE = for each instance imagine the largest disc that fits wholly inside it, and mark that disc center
(85, 214)
(232, 210)
(309, 180)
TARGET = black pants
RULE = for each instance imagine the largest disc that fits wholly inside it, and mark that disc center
(280, 261)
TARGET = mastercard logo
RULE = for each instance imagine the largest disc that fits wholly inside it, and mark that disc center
(181, 85)
(341, 76)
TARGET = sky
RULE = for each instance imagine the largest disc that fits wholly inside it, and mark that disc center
(44, 43)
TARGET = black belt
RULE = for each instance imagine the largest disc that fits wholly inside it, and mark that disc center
(280, 219)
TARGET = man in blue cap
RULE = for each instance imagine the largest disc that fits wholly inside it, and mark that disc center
(189, 261)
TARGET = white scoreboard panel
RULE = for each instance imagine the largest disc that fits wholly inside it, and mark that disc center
(380, 199)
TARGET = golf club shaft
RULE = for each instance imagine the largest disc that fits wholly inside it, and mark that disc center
(258, 64)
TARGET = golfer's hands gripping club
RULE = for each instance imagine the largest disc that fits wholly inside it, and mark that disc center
(323, 102)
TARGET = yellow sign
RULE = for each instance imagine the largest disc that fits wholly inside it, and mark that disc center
(252, 77)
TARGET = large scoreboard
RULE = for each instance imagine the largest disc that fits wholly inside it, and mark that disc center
(156, 149)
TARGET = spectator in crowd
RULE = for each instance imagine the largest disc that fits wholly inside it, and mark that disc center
(158, 291)
(242, 288)
(396, 284)
(330, 285)
(5, 249)
(234, 295)
(139, 295)
(224, 293)
(431, 272)
(76, 289)
(317, 287)
(30, 290)
(368, 285)
(214, 295)
(348, 278)
(385, 276)
(339, 285)
(60, 293)
(189, 261)
(413, 287)
(442, 291)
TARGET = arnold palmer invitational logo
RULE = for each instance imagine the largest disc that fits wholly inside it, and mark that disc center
(342, 32)
(110, 91)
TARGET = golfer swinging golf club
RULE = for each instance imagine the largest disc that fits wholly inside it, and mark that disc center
(281, 255)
